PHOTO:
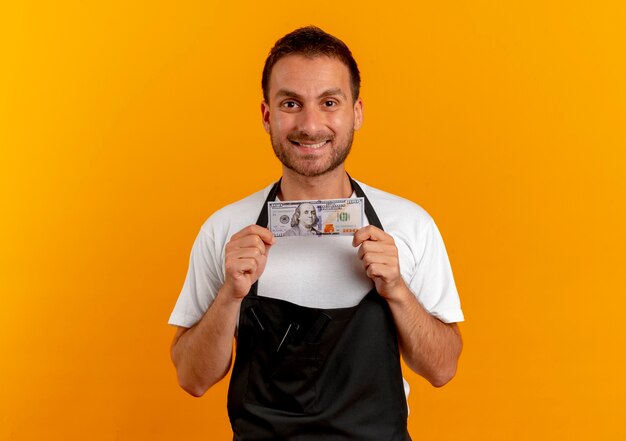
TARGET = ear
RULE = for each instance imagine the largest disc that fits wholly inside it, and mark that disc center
(358, 114)
(265, 114)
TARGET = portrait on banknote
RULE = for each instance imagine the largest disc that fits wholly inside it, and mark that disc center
(304, 221)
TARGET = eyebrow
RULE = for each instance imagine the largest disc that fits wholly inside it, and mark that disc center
(291, 94)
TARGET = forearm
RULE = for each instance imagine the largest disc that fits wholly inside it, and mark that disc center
(203, 354)
(429, 347)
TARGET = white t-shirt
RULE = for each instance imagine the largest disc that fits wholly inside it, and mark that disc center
(322, 272)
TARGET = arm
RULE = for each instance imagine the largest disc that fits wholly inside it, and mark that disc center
(203, 354)
(429, 347)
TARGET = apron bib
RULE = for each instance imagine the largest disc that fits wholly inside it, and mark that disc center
(310, 374)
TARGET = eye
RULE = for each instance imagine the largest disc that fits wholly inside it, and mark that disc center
(330, 103)
(289, 104)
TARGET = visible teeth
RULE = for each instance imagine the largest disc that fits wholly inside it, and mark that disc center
(313, 146)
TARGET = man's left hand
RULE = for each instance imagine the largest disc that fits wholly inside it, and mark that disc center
(379, 255)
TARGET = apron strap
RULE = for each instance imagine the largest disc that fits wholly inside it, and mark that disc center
(262, 220)
(271, 197)
(372, 217)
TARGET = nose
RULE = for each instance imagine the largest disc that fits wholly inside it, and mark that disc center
(311, 120)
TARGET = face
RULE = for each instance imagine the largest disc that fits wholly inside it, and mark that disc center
(311, 115)
(308, 216)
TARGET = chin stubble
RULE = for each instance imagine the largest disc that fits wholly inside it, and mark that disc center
(338, 156)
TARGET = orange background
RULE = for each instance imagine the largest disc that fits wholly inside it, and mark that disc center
(123, 125)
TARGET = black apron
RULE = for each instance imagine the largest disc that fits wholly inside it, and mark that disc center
(309, 374)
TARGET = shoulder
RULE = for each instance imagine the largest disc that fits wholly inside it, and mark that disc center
(396, 212)
(233, 217)
(408, 223)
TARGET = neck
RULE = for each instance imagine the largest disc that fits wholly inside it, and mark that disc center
(332, 185)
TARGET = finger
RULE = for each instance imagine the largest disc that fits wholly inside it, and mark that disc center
(372, 247)
(381, 271)
(251, 241)
(240, 267)
(265, 234)
(380, 259)
(369, 232)
(375, 270)
(245, 253)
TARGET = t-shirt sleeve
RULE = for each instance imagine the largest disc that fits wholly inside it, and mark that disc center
(432, 280)
(205, 277)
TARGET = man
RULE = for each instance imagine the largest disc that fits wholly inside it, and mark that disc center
(319, 327)
(303, 221)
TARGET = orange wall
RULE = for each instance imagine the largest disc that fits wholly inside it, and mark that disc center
(122, 127)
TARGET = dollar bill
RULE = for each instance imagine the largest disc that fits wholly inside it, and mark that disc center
(316, 218)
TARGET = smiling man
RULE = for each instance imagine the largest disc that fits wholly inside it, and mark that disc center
(320, 323)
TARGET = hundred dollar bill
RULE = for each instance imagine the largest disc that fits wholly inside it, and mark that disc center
(316, 218)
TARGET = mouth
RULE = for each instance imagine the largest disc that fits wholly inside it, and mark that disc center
(309, 145)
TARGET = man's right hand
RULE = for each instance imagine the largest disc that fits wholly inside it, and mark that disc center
(246, 256)
(202, 354)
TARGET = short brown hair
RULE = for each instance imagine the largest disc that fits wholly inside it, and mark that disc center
(311, 41)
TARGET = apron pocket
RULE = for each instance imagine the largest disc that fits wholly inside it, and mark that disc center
(285, 380)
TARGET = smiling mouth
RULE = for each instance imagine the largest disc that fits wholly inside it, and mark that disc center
(310, 145)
